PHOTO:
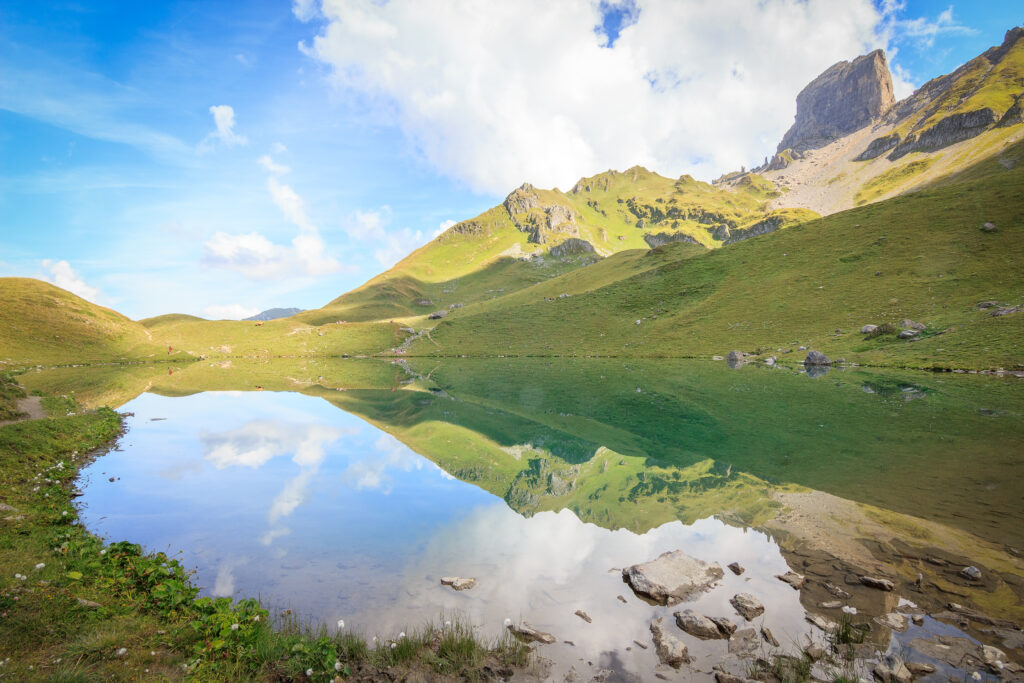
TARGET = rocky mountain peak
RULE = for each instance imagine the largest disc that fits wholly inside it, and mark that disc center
(845, 97)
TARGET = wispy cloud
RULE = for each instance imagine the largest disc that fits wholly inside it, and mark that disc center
(85, 103)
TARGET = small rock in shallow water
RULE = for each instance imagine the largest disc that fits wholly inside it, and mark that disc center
(620, 598)
(671, 577)
(747, 605)
(971, 572)
(920, 668)
(458, 583)
(724, 625)
(917, 619)
(670, 649)
(792, 578)
(698, 625)
(527, 633)
(736, 569)
(880, 584)
(583, 615)
(836, 591)
(766, 633)
(822, 623)
(832, 604)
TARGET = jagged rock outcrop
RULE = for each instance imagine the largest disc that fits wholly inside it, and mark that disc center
(541, 222)
(763, 227)
(1013, 115)
(948, 131)
(659, 238)
(521, 200)
(878, 147)
(845, 98)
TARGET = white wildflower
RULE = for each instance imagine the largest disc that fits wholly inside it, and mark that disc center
(309, 673)
(402, 634)
(152, 653)
(103, 552)
(849, 610)
(447, 623)
(41, 565)
(394, 645)
(337, 666)
(508, 622)
(341, 623)
(64, 514)
(122, 652)
(976, 676)
(256, 618)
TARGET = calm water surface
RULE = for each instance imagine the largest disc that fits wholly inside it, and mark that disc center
(541, 480)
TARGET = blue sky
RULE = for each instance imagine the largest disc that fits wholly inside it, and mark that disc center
(219, 158)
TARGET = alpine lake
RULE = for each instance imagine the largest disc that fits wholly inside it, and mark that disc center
(345, 489)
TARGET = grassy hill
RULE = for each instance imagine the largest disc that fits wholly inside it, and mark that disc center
(537, 235)
(42, 323)
(273, 338)
(922, 256)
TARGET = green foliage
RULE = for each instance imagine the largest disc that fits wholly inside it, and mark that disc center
(918, 256)
(891, 181)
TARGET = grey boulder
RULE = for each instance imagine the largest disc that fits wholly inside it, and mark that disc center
(671, 577)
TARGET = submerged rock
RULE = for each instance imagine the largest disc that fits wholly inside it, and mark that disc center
(583, 615)
(880, 584)
(743, 642)
(458, 583)
(769, 638)
(670, 649)
(699, 625)
(671, 577)
(735, 568)
(893, 621)
(747, 605)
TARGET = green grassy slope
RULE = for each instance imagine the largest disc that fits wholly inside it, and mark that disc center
(921, 256)
(282, 337)
(42, 323)
(509, 247)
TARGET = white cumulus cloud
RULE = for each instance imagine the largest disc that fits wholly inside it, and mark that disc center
(65, 277)
(255, 256)
(224, 131)
(494, 94)
(229, 311)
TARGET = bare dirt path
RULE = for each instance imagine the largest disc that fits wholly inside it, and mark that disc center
(32, 407)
